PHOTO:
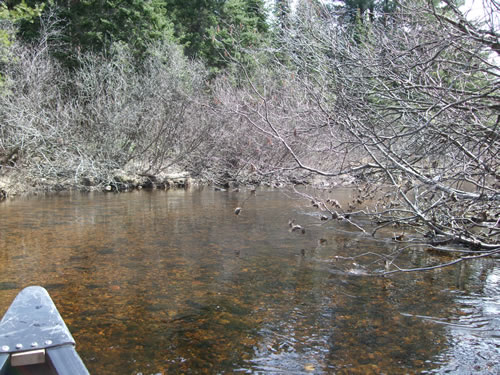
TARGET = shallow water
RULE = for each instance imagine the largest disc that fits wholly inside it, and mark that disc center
(174, 282)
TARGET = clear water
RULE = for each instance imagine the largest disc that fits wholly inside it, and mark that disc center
(175, 283)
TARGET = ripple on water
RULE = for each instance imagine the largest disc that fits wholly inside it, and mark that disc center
(174, 282)
(474, 334)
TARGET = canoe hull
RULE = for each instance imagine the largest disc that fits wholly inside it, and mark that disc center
(34, 338)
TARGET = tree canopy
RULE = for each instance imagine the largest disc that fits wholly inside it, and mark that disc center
(94, 25)
(207, 29)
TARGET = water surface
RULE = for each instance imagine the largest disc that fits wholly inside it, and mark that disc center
(174, 282)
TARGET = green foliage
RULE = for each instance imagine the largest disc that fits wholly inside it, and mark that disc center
(215, 30)
(9, 18)
(12, 16)
(211, 30)
(282, 11)
(358, 9)
(95, 25)
(19, 11)
(362, 11)
(361, 14)
(192, 20)
(242, 25)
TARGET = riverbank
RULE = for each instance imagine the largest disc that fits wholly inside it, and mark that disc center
(18, 182)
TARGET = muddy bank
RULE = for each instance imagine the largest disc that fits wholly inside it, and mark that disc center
(18, 182)
(15, 182)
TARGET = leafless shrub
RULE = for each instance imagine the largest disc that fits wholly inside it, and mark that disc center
(140, 114)
(77, 128)
(32, 120)
(274, 123)
(411, 101)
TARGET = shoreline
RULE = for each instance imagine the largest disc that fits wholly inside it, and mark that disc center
(18, 183)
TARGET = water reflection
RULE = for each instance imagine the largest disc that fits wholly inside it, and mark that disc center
(174, 282)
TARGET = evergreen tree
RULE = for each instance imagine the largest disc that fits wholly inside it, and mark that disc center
(360, 9)
(282, 12)
(217, 29)
(11, 14)
(242, 24)
(94, 25)
(192, 20)
(368, 10)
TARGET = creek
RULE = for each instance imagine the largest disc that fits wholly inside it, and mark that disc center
(171, 282)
